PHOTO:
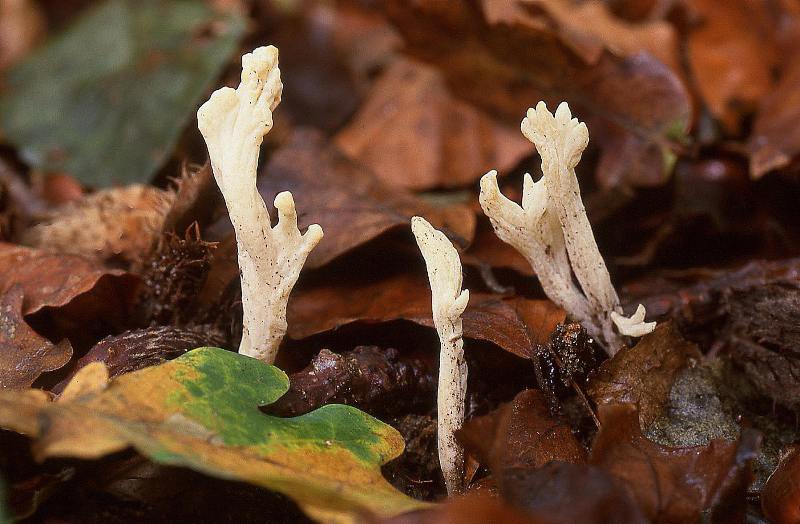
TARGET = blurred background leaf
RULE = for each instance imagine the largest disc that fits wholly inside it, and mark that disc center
(106, 100)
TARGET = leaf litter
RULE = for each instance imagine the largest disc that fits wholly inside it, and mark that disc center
(119, 261)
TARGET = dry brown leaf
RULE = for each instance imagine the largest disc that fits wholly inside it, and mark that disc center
(675, 485)
(346, 199)
(644, 373)
(24, 354)
(516, 55)
(22, 26)
(49, 280)
(732, 53)
(413, 134)
(520, 434)
(513, 324)
(780, 496)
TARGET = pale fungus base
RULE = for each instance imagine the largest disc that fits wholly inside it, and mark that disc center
(449, 302)
(233, 124)
(551, 229)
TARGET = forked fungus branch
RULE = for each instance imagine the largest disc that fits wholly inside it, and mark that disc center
(449, 302)
(233, 123)
(552, 231)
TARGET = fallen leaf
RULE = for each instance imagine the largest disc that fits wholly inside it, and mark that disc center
(413, 134)
(521, 434)
(780, 497)
(345, 198)
(22, 26)
(24, 354)
(118, 223)
(470, 508)
(775, 140)
(50, 280)
(106, 101)
(644, 374)
(675, 484)
(200, 411)
(565, 493)
(488, 249)
(520, 53)
(514, 324)
(732, 53)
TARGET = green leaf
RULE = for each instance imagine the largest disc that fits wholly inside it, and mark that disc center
(106, 100)
(201, 411)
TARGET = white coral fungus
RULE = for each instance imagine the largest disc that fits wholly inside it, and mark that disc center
(449, 302)
(233, 123)
(551, 229)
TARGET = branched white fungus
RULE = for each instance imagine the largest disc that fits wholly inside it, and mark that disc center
(552, 231)
(233, 123)
(449, 302)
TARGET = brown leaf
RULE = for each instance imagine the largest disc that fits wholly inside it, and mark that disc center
(488, 249)
(49, 280)
(22, 26)
(346, 199)
(122, 223)
(412, 133)
(520, 434)
(732, 53)
(644, 374)
(467, 509)
(566, 493)
(775, 140)
(780, 497)
(24, 354)
(512, 324)
(675, 484)
(517, 54)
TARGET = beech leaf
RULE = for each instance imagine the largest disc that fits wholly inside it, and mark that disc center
(201, 411)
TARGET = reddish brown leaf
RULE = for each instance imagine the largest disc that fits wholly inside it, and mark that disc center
(488, 249)
(412, 133)
(346, 199)
(520, 434)
(644, 374)
(49, 280)
(567, 493)
(512, 324)
(675, 484)
(518, 54)
(732, 53)
(22, 26)
(24, 354)
(469, 509)
(780, 497)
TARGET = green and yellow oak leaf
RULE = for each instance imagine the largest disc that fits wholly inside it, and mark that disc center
(201, 411)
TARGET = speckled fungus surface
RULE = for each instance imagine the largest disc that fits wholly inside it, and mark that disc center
(233, 123)
(449, 302)
(551, 230)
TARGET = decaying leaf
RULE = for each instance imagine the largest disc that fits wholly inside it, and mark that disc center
(50, 280)
(22, 26)
(643, 374)
(780, 497)
(343, 197)
(24, 354)
(106, 101)
(675, 484)
(118, 223)
(200, 411)
(514, 324)
(523, 52)
(521, 434)
(413, 134)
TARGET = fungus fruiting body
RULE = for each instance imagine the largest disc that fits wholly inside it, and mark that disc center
(449, 301)
(233, 123)
(552, 231)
